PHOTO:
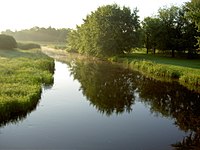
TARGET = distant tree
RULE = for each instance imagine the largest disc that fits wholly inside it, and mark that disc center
(40, 34)
(7, 42)
(109, 30)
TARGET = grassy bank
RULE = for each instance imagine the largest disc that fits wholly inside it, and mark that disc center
(187, 72)
(22, 74)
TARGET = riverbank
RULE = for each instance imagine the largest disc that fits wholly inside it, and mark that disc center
(22, 74)
(185, 71)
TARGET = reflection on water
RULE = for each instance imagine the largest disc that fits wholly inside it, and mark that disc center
(112, 89)
(109, 88)
(119, 117)
(13, 113)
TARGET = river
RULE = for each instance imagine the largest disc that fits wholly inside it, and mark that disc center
(101, 106)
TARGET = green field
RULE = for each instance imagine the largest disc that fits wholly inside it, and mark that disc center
(22, 74)
(190, 63)
(186, 71)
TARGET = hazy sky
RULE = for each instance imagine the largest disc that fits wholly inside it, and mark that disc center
(23, 14)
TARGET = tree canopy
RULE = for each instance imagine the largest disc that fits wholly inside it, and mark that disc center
(107, 31)
(170, 30)
(194, 13)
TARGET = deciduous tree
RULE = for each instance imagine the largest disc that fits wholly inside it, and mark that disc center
(109, 30)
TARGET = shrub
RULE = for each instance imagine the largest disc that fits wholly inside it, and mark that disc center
(27, 46)
(7, 42)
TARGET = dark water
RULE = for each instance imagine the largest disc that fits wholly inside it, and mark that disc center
(99, 106)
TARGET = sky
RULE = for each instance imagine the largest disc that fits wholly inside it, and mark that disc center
(25, 14)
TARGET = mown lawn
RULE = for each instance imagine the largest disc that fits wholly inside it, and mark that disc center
(22, 74)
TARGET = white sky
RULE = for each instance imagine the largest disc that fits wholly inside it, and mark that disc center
(23, 14)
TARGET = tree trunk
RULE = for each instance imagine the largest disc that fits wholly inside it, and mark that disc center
(147, 50)
(154, 50)
(173, 53)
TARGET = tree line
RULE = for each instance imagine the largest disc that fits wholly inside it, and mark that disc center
(8, 42)
(170, 30)
(112, 30)
(38, 34)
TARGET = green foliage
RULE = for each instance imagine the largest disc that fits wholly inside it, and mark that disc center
(194, 13)
(170, 30)
(21, 75)
(152, 27)
(27, 46)
(109, 30)
(73, 41)
(7, 42)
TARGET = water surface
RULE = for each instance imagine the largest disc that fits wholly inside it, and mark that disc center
(100, 106)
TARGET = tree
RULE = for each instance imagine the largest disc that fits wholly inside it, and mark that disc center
(151, 27)
(177, 31)
(109, 30)
(194, 13)
(170, 30)
(7, 42)
(73, 41)
(170, 34)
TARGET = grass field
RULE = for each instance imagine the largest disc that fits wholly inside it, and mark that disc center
(22, 74)
(186, 71)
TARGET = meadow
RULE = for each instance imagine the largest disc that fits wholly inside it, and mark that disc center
(22, 74)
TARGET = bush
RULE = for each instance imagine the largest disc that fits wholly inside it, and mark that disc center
(27, 46)
(7, 42)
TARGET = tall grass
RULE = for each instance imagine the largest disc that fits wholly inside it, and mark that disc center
(184, 71)
(22, 74)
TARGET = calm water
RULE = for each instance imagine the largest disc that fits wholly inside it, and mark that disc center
(99, 106)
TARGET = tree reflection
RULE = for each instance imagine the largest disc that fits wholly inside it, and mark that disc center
(13, 112)
(111, 89)
(174, 101)
(190, 142)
